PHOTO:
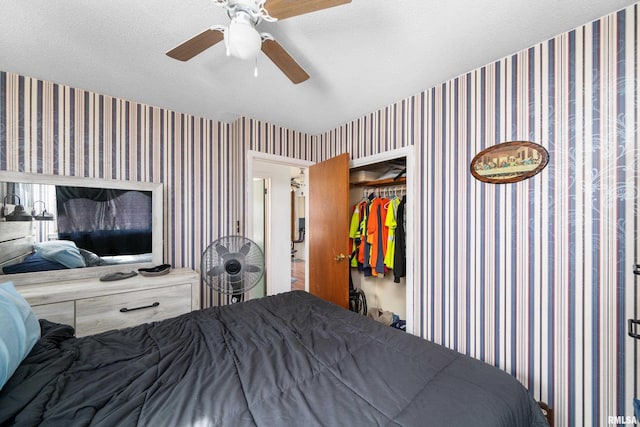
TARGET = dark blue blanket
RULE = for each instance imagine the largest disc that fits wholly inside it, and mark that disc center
(286, 360)
(32, 263)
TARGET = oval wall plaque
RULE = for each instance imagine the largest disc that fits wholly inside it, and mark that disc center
(509, 162)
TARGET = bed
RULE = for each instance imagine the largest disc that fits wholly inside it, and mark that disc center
(285, 360)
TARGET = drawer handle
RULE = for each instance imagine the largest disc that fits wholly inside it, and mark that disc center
(125, 309)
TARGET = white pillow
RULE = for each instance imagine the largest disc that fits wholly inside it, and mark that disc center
(19, 332)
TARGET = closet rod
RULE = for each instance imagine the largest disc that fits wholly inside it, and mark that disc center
(381, 183)
(385, 191)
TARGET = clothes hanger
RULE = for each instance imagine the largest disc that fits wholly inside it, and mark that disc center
(395, 191)
(386, 205)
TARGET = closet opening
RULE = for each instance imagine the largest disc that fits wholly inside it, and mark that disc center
(380, 193)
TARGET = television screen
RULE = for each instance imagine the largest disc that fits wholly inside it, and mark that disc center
(105, 221)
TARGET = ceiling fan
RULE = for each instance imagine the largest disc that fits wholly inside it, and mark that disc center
(241, 38)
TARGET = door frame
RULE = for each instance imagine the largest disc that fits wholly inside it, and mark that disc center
(266, 189)
(252, 157)
(408, 154)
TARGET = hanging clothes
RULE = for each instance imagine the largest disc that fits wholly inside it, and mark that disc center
(391, 224)
(378, 238)
(354, 234)
(377, 234)
(364, 253)
(400, 253)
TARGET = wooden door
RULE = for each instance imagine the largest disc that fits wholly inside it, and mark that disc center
(329, 230)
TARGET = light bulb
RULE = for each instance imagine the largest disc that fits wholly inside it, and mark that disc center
(241, 38)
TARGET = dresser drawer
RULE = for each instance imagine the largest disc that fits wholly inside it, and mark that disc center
(59, 312)
(103, 313)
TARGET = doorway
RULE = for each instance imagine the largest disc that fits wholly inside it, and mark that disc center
(279, 215)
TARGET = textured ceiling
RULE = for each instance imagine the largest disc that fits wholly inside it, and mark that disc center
(361, 56)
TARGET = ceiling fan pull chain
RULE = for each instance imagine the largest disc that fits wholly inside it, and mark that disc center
(255, 70)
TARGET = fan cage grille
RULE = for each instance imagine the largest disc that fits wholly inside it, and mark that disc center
(232, 265)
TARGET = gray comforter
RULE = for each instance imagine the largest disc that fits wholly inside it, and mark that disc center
(288, 360)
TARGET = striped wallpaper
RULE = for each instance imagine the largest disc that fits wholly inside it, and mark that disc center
(533, 277)
(54, 129)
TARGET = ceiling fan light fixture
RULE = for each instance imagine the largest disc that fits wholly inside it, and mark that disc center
(241, 38)
(243, 41)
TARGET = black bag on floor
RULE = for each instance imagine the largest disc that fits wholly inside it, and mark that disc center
(357, 299)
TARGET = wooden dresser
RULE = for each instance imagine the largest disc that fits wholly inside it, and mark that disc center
(92, 306)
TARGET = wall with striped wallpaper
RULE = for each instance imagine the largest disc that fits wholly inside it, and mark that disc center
(255, 135)
(54, 129)
(58, 130)
(533, 277)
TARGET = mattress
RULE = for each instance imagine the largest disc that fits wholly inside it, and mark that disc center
(285, 360)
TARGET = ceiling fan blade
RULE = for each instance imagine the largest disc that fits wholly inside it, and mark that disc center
(196, 45)
(284, 61)
(282, 9)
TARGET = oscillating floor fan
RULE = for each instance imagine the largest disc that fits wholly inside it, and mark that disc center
(232, 265)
